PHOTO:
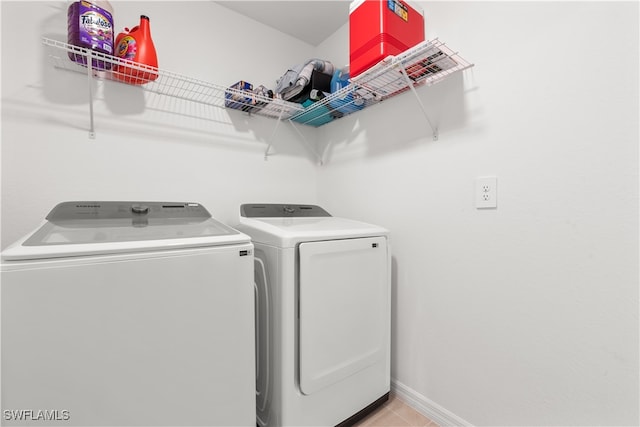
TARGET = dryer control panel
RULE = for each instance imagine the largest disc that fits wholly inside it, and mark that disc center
(277, 210)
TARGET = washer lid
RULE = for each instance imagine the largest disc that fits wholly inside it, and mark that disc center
(90, 228)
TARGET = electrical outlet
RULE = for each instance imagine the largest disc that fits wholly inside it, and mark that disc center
(486, 192)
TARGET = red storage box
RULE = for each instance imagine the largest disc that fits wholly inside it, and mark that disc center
(379, 28)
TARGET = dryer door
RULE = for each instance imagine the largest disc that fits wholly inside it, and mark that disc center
(344, 307)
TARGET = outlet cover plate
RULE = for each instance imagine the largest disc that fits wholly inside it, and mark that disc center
(486, 193)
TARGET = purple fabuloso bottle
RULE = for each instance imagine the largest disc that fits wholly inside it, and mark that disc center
(90, 25)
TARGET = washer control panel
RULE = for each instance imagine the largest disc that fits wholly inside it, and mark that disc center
(70, 211)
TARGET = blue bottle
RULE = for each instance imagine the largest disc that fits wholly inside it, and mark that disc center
(347, 103)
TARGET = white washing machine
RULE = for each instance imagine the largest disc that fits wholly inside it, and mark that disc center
(322, 315)
(120, 313)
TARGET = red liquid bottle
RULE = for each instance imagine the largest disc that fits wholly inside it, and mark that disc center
(136, 45)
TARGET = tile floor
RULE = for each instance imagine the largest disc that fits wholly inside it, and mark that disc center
(396, 413)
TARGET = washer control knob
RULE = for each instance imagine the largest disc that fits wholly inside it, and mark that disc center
(140, 209)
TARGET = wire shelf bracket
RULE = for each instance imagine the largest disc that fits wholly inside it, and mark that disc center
(319, 157)
(92, 130)
(434, 130)
(266, 152)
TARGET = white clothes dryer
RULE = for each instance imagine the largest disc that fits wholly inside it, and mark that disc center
(322, 315)
(121, 313)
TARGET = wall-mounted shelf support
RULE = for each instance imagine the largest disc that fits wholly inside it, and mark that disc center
(266, 152)
(92, 131)
(434, 130)
(307, 143)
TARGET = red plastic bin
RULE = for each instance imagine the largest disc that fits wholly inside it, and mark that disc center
(379, 28)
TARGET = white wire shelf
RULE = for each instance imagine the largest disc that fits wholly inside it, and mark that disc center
(106, 67)
(425, 64)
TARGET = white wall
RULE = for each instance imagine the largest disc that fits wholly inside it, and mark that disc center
(145, 149)
(528, 314)
(524, 315)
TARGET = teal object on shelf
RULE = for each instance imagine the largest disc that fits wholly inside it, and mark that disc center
(317, 115)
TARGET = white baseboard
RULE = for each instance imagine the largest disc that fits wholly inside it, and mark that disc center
(426, 407)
